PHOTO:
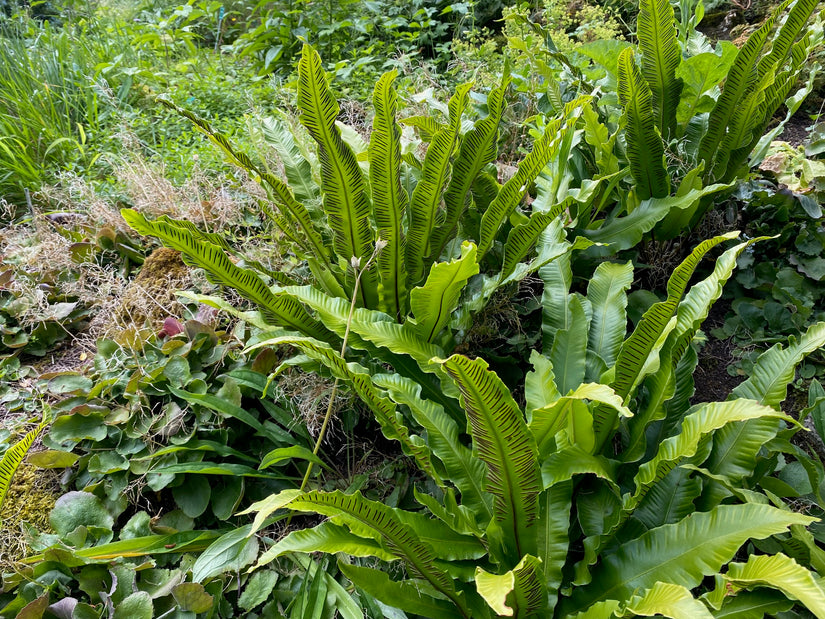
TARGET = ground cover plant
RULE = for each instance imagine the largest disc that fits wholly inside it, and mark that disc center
(438, 347)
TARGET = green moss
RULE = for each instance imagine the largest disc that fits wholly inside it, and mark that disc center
(30, 498)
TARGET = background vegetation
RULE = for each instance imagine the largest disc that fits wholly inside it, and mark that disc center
(401, 309)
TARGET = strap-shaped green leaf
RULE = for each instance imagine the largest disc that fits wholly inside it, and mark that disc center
(658, 41)
(389, 200)
(569, 351)
(378, 334)
(635, 350)
(774, 370)
(427, 194)
(739, 79)
(277, 309)
(401, 539)
(561, 414)
(479, 147)
(783, 573)
(776, 94)
(739, 137)
(760, 602)
(14, 455)
(708, 418)
(645, 149)
(511, 194)
(391, 421)
(682, 553)
(502, 441)
(406, 594)
(554, 537)
(433, 303)
(690, 314)
(667, 600)
(462, 467)
(540, 384)
(297, 168)
(519, 592)
(293, 211)
(524, 236)
(342, 182)
(735, 447)
(607, 293)
(626, 232)
(782, 43)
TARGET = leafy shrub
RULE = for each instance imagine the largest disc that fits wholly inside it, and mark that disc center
(670, 123)
(591, 496)
(423, 262)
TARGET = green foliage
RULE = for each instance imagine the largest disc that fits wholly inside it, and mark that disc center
(675, 129)
(564, 481)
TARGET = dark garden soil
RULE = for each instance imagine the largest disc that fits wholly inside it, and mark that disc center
(713, 382)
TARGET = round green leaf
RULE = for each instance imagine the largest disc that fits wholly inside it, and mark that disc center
(71, 429)
(70, 383)
(177, 371)
(192, 496)
(257, 589)
(193, 597)
(135, 606)
(52, 459)
(75, 509)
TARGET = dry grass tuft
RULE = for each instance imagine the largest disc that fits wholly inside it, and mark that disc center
(310, 393)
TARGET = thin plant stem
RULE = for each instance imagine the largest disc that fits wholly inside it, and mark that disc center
(359, 271)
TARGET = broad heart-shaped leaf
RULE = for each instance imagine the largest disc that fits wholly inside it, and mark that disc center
(280, 310)
(463, 469)
(427, 193)
(516, 593)
(501, 439)
(656, 29)
(783, 573)
(607, 293)
(682, 553)
(406, 594)
(433, 303)
(634, 352)
(478, 148)
(668, 600)
(342, 182)
(645, 149)
(389, 200)
(626, 232)
(401, 539)
(392, 424)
